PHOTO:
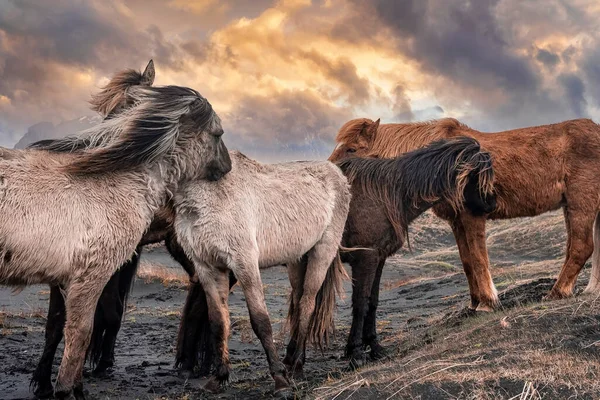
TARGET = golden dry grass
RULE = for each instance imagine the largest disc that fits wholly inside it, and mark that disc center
(152, 271)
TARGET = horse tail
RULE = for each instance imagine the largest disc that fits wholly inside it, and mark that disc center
(414, 181)
(322, 323)
(593, 285)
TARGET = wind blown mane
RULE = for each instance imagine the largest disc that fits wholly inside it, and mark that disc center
(392, 139)
(439, 171)
(105, 102)
(140, 134)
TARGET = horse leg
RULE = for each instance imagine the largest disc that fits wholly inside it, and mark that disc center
(465, 257)
(580, 246)
(370, 326)
(82, 297)
(248, 275)
(474, 233)
(105, 315)
(296, 272)
(593, 285)
(42, 377)
(215, 284)
(364, 269)
(113, 316)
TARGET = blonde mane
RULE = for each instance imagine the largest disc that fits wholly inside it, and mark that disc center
(389, 140)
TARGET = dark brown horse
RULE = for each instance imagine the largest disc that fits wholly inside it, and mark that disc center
(538, 169)
(387, 195)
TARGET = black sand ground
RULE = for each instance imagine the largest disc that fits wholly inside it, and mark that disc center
(418, 289)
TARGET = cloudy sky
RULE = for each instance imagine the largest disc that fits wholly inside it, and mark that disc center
(284, 75)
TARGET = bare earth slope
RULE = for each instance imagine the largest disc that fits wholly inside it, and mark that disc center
(529, 350)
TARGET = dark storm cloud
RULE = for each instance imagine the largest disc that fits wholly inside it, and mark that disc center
(458, 39)
(288, 116)
(296, 121)
(483, 52)
(342, 71)
(574, 90)
(548, 58)
(591, 68)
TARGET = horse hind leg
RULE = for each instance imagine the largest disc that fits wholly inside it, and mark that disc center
(215, 284)
(115, 299)
(248, 275)
(296, 272)
(42, 377)
(364, 270)
(370, 339)
(81, 300)
(593, 285)
(580, 225)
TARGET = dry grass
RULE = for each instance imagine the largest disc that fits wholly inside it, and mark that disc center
(151, 271)
(543, 350)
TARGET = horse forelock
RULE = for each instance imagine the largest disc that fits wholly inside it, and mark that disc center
(115, 91)
(352, 130)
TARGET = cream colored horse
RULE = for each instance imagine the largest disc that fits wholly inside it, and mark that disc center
(259, 216)
(73, 219)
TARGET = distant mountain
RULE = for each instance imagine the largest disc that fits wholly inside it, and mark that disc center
(47, 130)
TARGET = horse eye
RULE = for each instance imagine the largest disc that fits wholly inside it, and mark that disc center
(351, 151)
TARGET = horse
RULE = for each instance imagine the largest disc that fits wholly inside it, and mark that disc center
(71, 219)
(110, 101)
(387, 195)
(538, 169)
(258, 216)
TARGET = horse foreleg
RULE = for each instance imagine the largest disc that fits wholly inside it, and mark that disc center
(370, 327)
(249, 277)
(296, 272)
(364, 269)
(580, 246)
(42, 377)
(465, 257)
(474, 230)
(82, 297)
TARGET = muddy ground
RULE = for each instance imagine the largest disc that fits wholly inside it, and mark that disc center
(423, 294)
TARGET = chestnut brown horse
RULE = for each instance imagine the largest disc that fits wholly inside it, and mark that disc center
(538, 169)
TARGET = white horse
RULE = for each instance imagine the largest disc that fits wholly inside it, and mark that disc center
(259, 216)
(72, 219)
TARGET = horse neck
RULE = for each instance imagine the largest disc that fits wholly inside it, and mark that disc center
(183, 163)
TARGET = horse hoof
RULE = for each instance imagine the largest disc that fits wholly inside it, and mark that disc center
(282, 388)
(103, 369)
(555, 295)
(378, 352)
(213, 385)
(62, 395)
(44, 392)
(187, 374)
(296, 370)
(484, 308)
(357, 362)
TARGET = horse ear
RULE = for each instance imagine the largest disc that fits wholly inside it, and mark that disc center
(148, 75)
(371, 129)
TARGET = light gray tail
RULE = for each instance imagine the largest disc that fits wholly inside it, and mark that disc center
(594, 283)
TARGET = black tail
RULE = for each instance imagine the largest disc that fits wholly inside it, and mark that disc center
(413, 182)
